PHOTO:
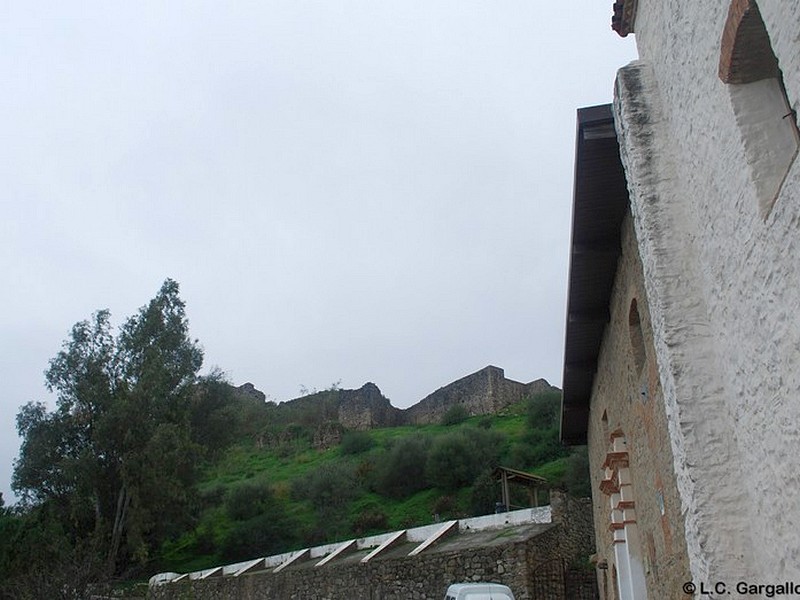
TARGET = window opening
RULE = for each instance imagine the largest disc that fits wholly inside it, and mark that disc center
(764, 114)
(637, 337)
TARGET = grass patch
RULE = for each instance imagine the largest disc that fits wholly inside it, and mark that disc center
(553, 471)
(291, 468)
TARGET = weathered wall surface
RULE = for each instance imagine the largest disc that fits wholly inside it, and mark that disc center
(484, 392)
(361, 409)
(400, 579)
(422, 577)
(721, 282)
(366, 408)
(627, 396)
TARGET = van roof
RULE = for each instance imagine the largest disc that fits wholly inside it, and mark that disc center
(477, 587)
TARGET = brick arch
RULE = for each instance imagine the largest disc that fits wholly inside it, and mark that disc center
(764, 115)
(746, 54)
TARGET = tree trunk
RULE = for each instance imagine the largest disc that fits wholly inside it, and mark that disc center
(120, 517)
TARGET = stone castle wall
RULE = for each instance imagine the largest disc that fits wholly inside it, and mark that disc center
(484, 392)
(366, 408)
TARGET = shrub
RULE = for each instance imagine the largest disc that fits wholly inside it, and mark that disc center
(456, 459)
(401, 472)
(370, 520)
(213, 496)
(329, 487)
(540, 443)
(576, 477)
(454, 415)
(485, 422)
(356, 442)
(444, 506)
(543, 410)
(484, 494)
(250, 500)
(262, 535)
(538, 446)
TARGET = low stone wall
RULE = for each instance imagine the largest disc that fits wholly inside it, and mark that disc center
(422, 577)
(409, 578)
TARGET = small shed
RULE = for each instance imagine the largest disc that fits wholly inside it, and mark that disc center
(533, 483)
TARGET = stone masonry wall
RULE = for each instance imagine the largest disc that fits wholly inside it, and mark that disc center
(627, 396)
(484, 392)
(422, 577)
(366, 408)
(410, 578)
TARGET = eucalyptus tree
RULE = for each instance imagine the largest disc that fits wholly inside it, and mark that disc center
(116, 453)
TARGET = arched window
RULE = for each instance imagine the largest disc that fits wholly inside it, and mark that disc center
(637, 337)
(767, 122)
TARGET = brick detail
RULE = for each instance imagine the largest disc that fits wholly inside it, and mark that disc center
(746, 53)
(624, 17)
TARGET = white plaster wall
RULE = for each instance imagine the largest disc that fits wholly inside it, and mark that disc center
(705, 455)
(724, 292)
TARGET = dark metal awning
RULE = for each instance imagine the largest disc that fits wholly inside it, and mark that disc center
(600, 202)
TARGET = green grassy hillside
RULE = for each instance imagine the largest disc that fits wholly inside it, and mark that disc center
(255, 499)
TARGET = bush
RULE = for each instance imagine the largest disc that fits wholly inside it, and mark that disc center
(576, 477)
(538, 447)
(248, 501)
(401, 472)
(261, 524)
(540, 443)
(213, 496)
(543, 410)
(444, 507)
(456, 459)
(262, 535)
(329, 487)
(485, 422)
(454, 415)
(484, 494)
(370, 520)
(356, 442)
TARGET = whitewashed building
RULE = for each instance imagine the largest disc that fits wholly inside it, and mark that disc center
(682, 366)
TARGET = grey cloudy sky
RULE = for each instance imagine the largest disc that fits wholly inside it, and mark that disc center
(345, 190)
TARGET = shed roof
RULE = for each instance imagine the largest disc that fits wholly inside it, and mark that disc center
(522, 477)
(600, 201)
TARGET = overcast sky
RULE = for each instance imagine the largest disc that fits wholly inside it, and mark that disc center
(345, 191)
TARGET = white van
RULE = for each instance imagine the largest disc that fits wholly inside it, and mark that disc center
(479, 591)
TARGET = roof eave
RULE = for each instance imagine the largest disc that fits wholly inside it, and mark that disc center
(600, 202)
